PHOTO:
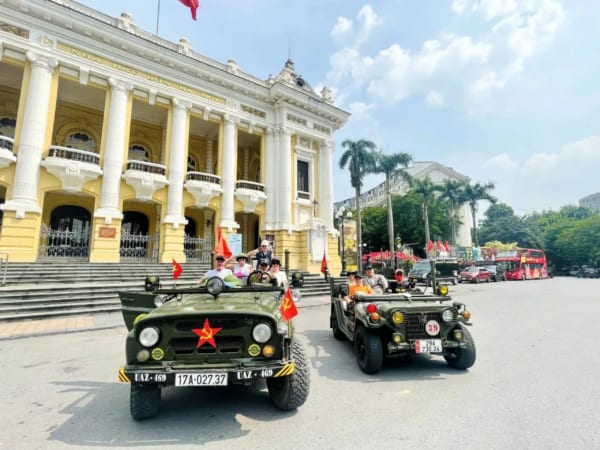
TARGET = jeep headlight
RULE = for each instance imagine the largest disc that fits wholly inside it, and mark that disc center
(149, 336)
(397, 317)
(449, 315)
(261, 333)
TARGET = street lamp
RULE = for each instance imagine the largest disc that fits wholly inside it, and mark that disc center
(341, 217)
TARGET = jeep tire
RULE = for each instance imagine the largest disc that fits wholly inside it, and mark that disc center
(335, 325)
(462, 357)
(368, 350)
(144, 400)
(290, 392)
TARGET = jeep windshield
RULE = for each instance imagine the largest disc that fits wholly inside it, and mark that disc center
(422, 265)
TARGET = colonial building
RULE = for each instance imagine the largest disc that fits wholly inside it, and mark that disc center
(420, 170)
(591, 201)
(115, 143)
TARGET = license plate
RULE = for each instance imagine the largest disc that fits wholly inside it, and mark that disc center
(201, 379)
(428, 346)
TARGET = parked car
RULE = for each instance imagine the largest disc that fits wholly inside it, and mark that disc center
(497, 272)
(588, 272)
(474, 274)
(446, 271)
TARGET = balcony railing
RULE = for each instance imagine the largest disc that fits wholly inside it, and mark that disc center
(73, 154)
(206, 177)
(251, 185)
(6, 142)
(143, 166)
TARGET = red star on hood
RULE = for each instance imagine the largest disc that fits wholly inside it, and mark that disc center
(207, 334)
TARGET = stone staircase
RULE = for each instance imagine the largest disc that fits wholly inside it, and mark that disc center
(60, 288)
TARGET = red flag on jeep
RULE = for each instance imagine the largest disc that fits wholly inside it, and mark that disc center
(324, 263)
(193, 5)
(177, 269)
(429, 246)
(288, 308)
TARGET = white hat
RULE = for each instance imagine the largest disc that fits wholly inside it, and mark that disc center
(265, 242)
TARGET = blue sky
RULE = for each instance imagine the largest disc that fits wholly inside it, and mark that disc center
(506, 91)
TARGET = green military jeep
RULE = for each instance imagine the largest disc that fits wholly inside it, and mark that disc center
(214, 335)
(393, 325)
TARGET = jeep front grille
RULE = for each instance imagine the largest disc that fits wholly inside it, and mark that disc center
(232, 346)
(415, 324)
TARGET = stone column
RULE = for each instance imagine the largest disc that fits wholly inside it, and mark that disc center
(285, 180)
(32, 138)
(114, 150)
(325, 178)
(177, 163)
(228, 169)
(270, 165)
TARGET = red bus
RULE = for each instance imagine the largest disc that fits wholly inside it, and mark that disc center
(524, 263)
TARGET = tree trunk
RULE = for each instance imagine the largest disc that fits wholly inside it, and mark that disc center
(426, 218)
(390, 215)
(358, 232)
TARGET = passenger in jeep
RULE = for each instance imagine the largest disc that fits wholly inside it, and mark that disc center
(356, 288)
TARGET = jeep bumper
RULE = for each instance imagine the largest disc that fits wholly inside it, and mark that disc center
(194, 376)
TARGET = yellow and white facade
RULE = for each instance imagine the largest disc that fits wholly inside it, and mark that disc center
(113, 141)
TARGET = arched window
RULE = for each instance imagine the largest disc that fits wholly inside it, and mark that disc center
(81, 140)
(139, 153)
(134, 223)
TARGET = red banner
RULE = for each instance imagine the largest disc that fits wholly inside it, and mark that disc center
(222, 247)
(288, 307)
(324, 263)
(193, 5)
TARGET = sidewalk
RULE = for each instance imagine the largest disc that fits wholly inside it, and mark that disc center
(70, 324)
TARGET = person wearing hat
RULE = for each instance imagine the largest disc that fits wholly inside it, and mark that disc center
(356, 288)
(241, 267)
(278, 274)
(219, 271)
(262, 252)
(377, 282)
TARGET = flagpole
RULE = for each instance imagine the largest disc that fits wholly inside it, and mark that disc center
(157, 16)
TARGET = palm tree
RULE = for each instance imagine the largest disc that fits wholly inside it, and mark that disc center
(453, 193)
(359, 156)
(472, 195)
(426, 190)
(392, 166)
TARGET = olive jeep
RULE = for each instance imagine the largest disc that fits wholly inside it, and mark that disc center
(215, 335)
(395, 325)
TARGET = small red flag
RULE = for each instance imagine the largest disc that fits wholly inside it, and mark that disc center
(177, 269)
(439, 246)
(193, 5)
(288, 307)
(324, 263)
(446, 247)
(222, 247)
(429, 246)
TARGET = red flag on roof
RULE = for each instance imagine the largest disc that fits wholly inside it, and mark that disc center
(193, 5)
(324, 263)
(222, 247)
(446, 247)
(288, 308)
(177, 269)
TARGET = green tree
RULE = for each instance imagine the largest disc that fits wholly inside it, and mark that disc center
(392, 166)
(582, 241)
(453, 193)
(359, 156)
(472, 195)
(426, 191)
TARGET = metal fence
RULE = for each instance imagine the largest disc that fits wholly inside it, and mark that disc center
(197, 249)
(139, 246)
(63, 243)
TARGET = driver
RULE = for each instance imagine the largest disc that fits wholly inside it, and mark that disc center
(219, 271)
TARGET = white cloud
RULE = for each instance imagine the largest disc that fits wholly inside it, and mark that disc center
(369, 19)
(342, 27)
(503, 161)
(458, 6)
(434, 99)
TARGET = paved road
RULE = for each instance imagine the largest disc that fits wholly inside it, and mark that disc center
(534, 385)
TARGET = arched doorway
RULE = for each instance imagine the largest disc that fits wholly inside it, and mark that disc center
(136, 241)
(68, 234)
